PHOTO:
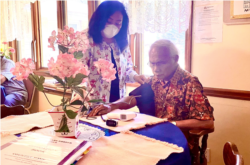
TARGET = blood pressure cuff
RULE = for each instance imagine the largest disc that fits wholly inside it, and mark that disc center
(145, 103)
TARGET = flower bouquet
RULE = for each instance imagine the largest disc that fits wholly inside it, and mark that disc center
(70, 73)
(7, 52)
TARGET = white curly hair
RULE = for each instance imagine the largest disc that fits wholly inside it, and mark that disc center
(165, 45)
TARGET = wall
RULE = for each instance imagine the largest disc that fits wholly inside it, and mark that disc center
(226, 65)
(231, 124)
(40, 102)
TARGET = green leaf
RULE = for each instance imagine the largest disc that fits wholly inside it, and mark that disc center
(40, 87)
(37, 81)
(64, 128)
(78, 55)
(63, 49)
(34, 79)
(63, 125)
(40, 80)
(69, 80)
(71, 114)
(78, 91)
(78, 79)
(84, 108)
(76, 102)
(59, 80)
(95, 101)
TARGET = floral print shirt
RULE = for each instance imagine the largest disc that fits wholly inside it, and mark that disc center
(101, 88)
(181, 98)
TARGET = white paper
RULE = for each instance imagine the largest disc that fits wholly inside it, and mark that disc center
(140, 121)
(7, 139)
(38, 149)
(241, 7)
(206, 2)
(23, 123)
(208, 23)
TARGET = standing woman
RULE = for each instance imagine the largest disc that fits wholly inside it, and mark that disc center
(108, 38)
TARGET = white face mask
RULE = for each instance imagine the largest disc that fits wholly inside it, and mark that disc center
(110, 31)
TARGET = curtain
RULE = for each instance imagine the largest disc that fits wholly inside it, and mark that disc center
(15, 20)
(157, 16)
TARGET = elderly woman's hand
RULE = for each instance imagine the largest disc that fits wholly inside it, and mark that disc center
(100, 110)
(140, 79)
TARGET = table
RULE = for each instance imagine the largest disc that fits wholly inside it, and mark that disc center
(3, 94)
(164, 132)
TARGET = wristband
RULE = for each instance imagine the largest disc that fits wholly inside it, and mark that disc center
(173, 122)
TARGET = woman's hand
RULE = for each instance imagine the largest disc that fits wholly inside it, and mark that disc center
(140, 79)
(100, 110)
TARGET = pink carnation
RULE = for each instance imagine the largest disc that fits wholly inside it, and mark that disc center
(106, 69)
(4, 43)
(74, 41)
(52, 40)
(12, 50)
(23, 68)
(66, 66)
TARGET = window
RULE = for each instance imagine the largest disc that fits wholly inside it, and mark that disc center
(24, 46)
(53, 15)
(77, 14)
(48, 23)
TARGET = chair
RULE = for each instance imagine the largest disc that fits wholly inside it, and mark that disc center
(146, 105)
(198, 152)
(7, 111)
(31, 91)
(231, 155)
(3, 94)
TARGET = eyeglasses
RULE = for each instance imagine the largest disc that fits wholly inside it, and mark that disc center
(158, 64)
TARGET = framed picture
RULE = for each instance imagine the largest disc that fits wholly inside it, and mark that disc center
(239, 9)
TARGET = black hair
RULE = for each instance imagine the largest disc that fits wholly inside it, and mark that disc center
(100, 17)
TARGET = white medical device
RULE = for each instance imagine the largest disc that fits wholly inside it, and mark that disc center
(123, 116)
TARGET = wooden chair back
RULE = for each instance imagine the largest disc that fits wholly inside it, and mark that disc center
(231, 155)
(198, 150)
(15, 110)
(31, 92)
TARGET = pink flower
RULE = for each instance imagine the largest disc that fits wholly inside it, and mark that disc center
(106, 69)
(51, 42)
(75, 41)
(23, 68)
(53, 33)
(83, 70)
(71, 30)
(12, 50)
(66, 27)
(4, 43)
(66, 66)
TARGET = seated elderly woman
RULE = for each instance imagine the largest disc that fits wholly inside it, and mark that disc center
(13, 92)
(176, 94)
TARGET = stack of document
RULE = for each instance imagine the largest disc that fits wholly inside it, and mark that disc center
(39, 149)
(52, 83)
